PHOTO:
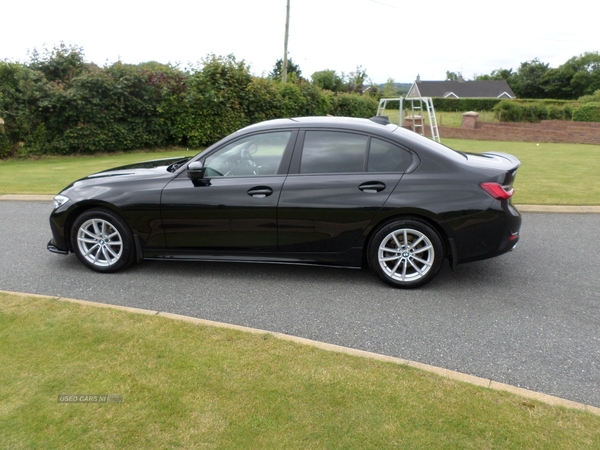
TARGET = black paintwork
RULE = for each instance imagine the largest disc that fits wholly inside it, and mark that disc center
(302, 218)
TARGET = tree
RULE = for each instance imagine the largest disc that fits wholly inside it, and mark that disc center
(579, 76)
(497, 74)
(527, 81)
(328, 79)
(60, 64)
(21, 89)
(390, 90)
(357, 79)
(453, 76)
(293, 70)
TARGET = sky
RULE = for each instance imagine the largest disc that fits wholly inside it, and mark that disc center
(395, 39)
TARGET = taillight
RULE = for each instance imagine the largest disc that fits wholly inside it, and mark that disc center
(497, 191)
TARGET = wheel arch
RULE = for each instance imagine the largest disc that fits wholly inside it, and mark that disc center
(82, 208)
(449, 251)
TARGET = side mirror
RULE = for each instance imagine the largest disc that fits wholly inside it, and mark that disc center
(196, 170)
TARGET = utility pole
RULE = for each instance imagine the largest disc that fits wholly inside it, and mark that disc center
(285, 43)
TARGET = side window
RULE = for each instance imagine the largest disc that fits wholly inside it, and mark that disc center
(259, 154)
(386, 157)
(333, 152)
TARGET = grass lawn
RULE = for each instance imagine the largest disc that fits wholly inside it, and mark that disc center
(51, 174)
(445, 119)
(550, 174)
(190, 386)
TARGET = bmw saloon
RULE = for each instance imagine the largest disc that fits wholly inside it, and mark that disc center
(332, 191)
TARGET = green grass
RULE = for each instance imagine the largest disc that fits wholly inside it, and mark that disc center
(550, 174)
(49, 175)
(446, 119)
(190, 386)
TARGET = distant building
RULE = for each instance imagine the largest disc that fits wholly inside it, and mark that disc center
(461, 89)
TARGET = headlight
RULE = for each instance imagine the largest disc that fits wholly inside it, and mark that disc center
(60, 200)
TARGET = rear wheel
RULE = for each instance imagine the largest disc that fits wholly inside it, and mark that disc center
(406, 253)
(102, 241)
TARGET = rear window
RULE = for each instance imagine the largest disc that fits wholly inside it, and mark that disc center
(333, 152)
(344, 152)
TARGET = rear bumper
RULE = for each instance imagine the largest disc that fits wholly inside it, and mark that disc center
(488, 234)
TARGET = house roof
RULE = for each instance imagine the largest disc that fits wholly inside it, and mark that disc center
(462, 89)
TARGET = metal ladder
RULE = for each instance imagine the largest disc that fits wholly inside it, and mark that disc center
(435, 132)
(418, 127)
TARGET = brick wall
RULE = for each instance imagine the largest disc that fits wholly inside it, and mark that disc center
(546, 131)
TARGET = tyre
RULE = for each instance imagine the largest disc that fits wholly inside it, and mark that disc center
(405, 253)
(102, 241)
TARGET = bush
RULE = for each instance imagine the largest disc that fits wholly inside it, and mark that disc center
(5, 146)
(595, 97)
(508, 111)
(58, 104)
(465, 104)
(528, 111)
(293, 102)
(318, 103)
(589, 112)
(353, 105)
(264, 100)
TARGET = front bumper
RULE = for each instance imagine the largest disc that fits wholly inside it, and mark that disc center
(54, 249)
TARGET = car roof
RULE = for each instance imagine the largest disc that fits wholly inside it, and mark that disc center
(351, 123)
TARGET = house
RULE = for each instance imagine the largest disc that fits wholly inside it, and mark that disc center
(461, 89)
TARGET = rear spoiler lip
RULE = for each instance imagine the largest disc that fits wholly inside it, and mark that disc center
(511, 158)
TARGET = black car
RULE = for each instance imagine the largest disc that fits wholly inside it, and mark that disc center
(316, 190)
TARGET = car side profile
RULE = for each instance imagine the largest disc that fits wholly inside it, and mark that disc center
(317, 190)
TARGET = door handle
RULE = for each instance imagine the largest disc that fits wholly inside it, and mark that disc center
(372, 187)
(260, 191)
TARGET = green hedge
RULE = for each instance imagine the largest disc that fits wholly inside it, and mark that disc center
(516, 111)
(590, 112)
(83, 109)
(464, 104)
(352, 105)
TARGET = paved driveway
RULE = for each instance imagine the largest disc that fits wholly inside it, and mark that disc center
(530, 318)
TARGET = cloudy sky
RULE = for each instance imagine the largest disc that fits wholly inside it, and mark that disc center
(389, 38)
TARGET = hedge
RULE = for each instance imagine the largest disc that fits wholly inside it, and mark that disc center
(590, 112)
(464, 104)
(515, 111)
(123, 107)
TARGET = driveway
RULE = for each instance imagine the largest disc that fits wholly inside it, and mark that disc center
(530, 318)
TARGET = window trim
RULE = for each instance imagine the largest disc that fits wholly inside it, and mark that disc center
(296, 157)
(286, 157)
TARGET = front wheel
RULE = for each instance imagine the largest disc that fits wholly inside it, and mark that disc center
(102, 241)
(405, 253)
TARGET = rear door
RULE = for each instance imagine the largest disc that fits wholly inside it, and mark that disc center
(338, 182)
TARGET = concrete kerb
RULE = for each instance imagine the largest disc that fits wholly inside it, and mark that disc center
(450, 374)
(26, 198)
(523, 208)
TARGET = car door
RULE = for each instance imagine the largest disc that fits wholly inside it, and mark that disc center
(235, 206)
(338, 182)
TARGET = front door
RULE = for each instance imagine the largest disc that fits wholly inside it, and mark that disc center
(235, 207)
